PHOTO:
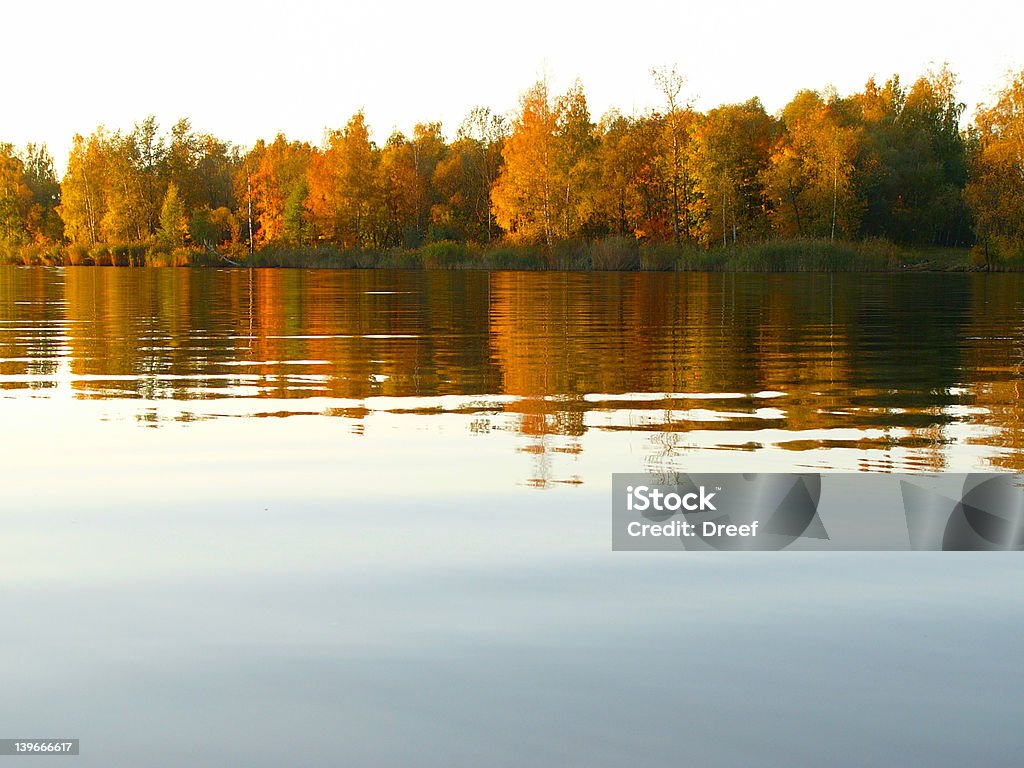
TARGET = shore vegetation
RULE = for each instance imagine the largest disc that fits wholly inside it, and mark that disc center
(888, 178)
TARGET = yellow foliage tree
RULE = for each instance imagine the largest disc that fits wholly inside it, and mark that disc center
(996, 189)
(342, 186)
(809, 180)
(15, 196)
(525, 194)
(543, 191)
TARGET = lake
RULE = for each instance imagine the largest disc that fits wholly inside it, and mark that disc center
(286, 517)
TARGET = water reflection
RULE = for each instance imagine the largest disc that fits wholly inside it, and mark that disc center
(302, 504)
(848, 371)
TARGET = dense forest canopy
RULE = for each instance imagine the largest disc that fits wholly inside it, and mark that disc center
(891, 161)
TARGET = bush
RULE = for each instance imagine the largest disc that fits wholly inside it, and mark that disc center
(137, 255)
(445, 254)
(506, 257)
(158, 257)
(659, 257)
(399, 258)
(616, 253)
(610, 253)
(811, 256)
(30, 255)
(316, 256)
(78, 256)
(100, 255)
(571, 255)
(693, 258)
(119, 256)
(181, 257)
(53, 255)
(998, 253)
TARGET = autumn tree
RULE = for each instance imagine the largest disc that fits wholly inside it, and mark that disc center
(677, 125)
(182, 162)
(645, 141)
(278, 168)
(343, 199)
(405, 179)
(116, 183)
(576, 142)
(889, 162)
(127, 217)
(402, 189)
(151, 156)
(730, 152)
(429, 149)
(464, 177)
(15, 197)
(525, 194)
(810, 179)
(82, 204)
(996, 188)
(632, 194)
(543, 191)
(615, 199)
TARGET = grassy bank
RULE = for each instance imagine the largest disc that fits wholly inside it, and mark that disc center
(608, 254)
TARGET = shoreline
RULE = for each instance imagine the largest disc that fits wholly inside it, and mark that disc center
(613, 254)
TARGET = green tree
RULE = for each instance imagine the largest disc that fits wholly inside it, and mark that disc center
(463, 179)
(295, 227)
(44, 223)
(172, 217)
(913, 163)
(731, 149)
(15, 196)
(212, 227)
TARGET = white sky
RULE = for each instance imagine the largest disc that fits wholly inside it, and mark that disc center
(245, 70)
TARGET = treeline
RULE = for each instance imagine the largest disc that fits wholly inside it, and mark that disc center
(889, 162)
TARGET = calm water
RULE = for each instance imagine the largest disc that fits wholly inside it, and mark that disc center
(361, 518)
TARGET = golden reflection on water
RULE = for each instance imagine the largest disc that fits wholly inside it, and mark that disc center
(871, 372)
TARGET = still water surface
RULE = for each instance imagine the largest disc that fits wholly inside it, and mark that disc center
(361, 518)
